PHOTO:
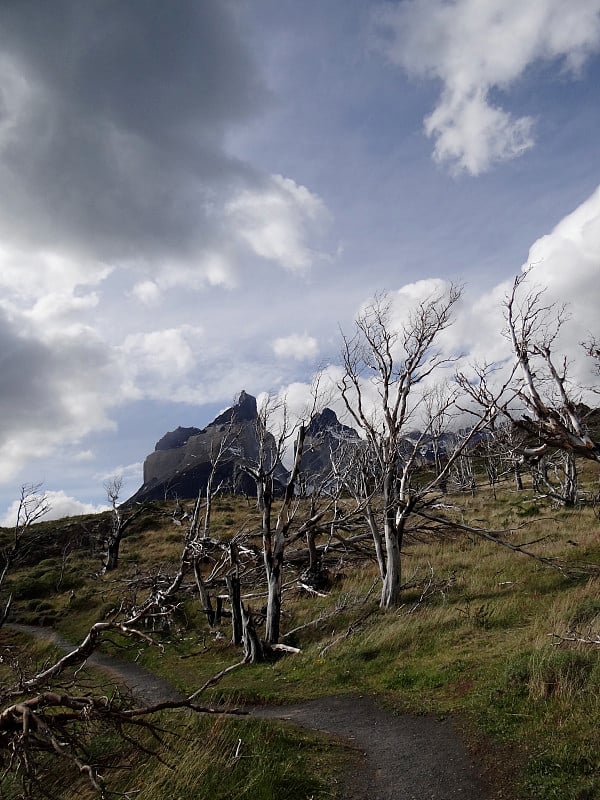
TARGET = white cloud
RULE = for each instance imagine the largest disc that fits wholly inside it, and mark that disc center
(60, 505)
(277, 221)
(147, 292)
(567, 262)
(28, 277)
(476, 47)
(159, 360)
(300, 347)
(84, 455)
(127, 472)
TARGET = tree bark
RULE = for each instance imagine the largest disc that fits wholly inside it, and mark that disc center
(253, 650)
(233, 589)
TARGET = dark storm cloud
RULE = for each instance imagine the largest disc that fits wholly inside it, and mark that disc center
(26, 373)
(49, 388)
(113, 118)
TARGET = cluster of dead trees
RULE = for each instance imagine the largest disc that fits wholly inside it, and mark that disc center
(403, 395)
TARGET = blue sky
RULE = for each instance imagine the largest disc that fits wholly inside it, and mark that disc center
(194, 197)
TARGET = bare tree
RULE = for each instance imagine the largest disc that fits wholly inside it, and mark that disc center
(32, 506)
(120, 522)
(552, 411)
(536, 396)
(264, 472)
(198, 539)
(393, 366)
(592, 348)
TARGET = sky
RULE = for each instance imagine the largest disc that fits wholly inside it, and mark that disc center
(197, 197)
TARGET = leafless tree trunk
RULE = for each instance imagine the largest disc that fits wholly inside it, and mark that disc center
(274, 542)
(119, 523)
(396, 364)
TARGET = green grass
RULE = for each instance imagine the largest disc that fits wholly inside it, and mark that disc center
(473, 638)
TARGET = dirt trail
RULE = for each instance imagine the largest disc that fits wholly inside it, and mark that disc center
(398, 757)
(141, 683)
(401, 757)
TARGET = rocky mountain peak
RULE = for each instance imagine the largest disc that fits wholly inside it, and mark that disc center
(244, 410)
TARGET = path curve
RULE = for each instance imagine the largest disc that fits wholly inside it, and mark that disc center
(401, 757)
(398, 757)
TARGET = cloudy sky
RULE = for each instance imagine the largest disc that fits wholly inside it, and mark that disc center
(195, 196)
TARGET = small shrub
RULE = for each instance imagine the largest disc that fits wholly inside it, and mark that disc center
(550, 672)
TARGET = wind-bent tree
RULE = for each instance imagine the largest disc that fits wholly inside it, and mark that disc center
(383, 388)
(552, 411)
(537, 396)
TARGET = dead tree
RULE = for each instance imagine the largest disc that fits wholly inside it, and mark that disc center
(275, 530)
(120, 522)
(552, 414)
(45, 714)
(198, 540)
(555, 477)
(536, 395)
(385, 372)
(32, 506)
(592, 348)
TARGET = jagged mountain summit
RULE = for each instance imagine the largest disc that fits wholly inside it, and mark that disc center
(182, 460)
(327, 439)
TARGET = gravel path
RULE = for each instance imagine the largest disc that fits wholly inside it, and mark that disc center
(398, 757)
(141, 683)
(401, 757)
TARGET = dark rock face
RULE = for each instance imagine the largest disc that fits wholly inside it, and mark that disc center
(181, 463)
(244, 411)
(326, 437)
(176, 438)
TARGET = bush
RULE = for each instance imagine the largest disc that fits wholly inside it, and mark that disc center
(550, 672)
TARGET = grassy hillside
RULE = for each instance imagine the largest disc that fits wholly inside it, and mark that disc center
(486, 634)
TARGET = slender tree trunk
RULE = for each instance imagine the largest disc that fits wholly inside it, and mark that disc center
(233, 589)
(570, 482)
(253, 650)
(313, 555)
(375, 532)
(273, 600)
(208, 509)
(112, 553)
(203, 593)
(390, 591)
(518, 478)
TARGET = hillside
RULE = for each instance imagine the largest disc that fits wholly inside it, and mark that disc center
(500, 642)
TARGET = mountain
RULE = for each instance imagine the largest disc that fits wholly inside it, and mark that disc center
(326, 439)
(181, 463)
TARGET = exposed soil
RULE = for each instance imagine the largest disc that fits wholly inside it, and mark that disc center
(397, 757)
